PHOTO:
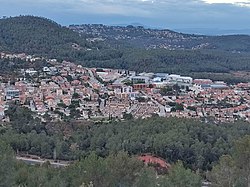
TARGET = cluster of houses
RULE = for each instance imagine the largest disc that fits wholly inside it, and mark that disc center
(66, 90)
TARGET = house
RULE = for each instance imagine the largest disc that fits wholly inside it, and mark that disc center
(12, 93)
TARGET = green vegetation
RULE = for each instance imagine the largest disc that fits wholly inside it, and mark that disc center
(120, 169)
(161, 60)
(115, 170)
(191, 147)
(196, 144)
(166, 91)
(35, 35)
(233, 170)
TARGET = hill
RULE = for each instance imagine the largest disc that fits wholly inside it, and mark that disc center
(138, 36)
(35, 35)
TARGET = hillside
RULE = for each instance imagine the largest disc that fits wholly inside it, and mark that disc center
(142, 49)
(138, 36)
(35, 35)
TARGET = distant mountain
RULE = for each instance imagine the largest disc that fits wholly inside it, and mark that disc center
(138, 36)
(214, 31)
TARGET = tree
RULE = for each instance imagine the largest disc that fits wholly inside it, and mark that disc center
(179, 106)
(75, 113)
(7, 165)
(233, 170)
(193, 108)
(127, 116)
(177, 89)
(241, 156)
(123, 169)
(146, 178)
(75, 96)
(166, 91)
(224, 173)
(178, 176)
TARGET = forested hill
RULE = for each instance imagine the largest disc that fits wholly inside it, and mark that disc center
(36, 35)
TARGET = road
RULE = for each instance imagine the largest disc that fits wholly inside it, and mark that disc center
(93, 80)
(120, 80)
(32, 161)
(162, 112)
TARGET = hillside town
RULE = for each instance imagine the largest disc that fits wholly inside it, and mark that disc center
(147, 38)
(64, 90)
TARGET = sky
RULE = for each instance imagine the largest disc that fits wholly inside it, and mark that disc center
(190, 16)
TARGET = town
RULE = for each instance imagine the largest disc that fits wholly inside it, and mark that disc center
(159, 39)
(64, 90)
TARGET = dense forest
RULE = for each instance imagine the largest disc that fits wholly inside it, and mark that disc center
(40, 36)
(105, 153)
(195, 143)
(113, 171)
(123, 170)
(160, 60)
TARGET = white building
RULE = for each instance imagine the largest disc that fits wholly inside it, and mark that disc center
(31, 71)
(180, 79)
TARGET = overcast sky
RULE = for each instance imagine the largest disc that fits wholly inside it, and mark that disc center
(182, 15)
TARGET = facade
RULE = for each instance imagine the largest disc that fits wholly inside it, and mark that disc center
(140, 79)
(140, 86)
(12, 93)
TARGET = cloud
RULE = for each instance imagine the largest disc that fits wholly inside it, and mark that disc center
(158, 13)
(108, 7)
(242, 3)
(112, 7)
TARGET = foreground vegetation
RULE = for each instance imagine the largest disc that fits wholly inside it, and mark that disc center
(194, 149)
(123, 170)
(195, 143)
(114, 170)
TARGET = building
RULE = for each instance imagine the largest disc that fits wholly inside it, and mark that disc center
(12, 93)
(157, 79)
(203, 81)
(140, 79)
(180, 79)
(31, 71)
(163, 76)
(140, 86)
